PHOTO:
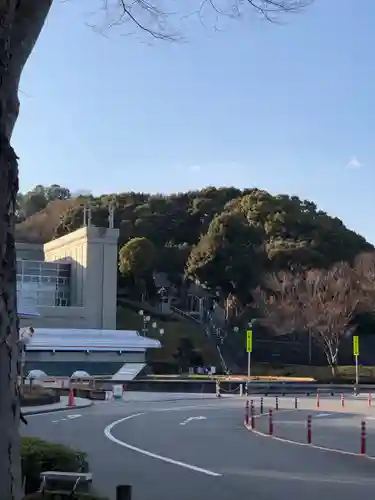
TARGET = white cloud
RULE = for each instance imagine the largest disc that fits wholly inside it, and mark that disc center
(354, 164)
(195, 168)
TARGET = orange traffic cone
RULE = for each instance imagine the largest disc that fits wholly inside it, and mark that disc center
(71, 400)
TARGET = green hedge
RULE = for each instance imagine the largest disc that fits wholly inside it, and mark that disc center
(38, 456)
(79, 496)
(39, 398)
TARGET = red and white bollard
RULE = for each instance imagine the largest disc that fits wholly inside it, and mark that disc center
(71, 398)
(363, 437)
(317, 400)
(252, 414)
(342, 398)
(247, 413)
(369, 400)
(309, 431)
(270, 422)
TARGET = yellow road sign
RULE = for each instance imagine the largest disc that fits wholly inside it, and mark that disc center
(249, 341)
(355, 345)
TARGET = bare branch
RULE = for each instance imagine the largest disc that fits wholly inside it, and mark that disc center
(279, 303)
(364, 268)
(158, 21)
(323, 303)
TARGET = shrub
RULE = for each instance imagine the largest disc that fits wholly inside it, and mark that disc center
(38, 456)
(79, 496)
(36, 396)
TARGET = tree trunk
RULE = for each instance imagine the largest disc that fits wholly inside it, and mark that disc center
(333, 370)
(331, 352)
(20, 24)
(10, 481)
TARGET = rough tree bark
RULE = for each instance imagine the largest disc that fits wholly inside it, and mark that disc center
(20, 24)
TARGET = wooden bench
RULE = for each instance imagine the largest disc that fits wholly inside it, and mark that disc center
(57, 483)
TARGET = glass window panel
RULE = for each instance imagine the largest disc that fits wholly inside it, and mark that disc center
(31, 268)
(49, 272)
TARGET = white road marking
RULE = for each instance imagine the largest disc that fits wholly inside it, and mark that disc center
(108, 434)
(190, 419)
(72, 417)
(300, 476)
(289, 422)
(323, 415)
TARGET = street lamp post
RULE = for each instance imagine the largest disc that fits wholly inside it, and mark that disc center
(146, 319)
(155, 327)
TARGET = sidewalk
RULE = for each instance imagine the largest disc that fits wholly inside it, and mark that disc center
(154, 397)
(349, 430)
(61, 406)
(326, 403)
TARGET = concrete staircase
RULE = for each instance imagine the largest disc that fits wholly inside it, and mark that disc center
(219, 335)
(129, 371)
(211, 332)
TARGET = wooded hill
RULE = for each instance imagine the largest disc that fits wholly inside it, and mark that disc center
(224, 237)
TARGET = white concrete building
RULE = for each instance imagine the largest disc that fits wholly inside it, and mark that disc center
(67, 291)
(70, 281)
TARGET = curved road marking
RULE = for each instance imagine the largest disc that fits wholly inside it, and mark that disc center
(302, 476)
(109, 435)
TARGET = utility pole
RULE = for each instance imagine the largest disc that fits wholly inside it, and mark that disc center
(111, 215)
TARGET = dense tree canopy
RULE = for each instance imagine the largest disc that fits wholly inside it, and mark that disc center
(137, 258)
(229, 256)
(224, 237)
(38, 198)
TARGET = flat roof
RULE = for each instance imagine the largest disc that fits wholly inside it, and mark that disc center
(63, 339)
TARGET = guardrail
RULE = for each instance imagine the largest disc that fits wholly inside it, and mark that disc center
(208, 386)
(233, 387)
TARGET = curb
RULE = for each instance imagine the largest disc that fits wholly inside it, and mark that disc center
(172, 400)
(55, 410)
(299, 443)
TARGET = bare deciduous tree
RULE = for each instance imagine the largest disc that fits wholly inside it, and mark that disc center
(323, 303)
(364, 269)
(279, 302)
(21, 22)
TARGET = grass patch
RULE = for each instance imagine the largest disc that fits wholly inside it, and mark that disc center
(260, 370)
(174, 329)
(136, 306)
(316, 372)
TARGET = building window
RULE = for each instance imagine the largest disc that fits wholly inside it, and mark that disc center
(43, 283)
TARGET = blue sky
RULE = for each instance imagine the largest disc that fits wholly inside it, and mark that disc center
(289, 108)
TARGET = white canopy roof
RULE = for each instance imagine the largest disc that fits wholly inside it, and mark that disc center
(80, 374)
(38, 374)
(61, 339)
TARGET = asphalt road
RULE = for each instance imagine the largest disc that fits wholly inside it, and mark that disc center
(340, 431)
(179, 450)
